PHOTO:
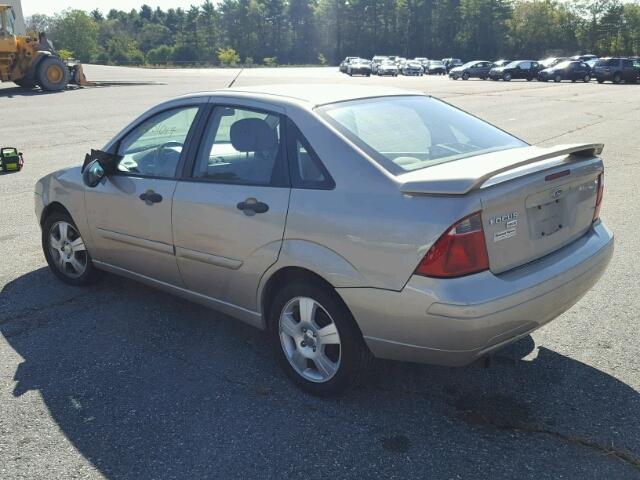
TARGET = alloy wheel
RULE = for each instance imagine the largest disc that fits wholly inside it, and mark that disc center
(310, 339)
(67, 249)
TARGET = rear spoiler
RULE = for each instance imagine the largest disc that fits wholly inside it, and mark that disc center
(462, 176)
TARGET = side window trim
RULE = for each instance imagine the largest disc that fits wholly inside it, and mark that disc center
(199, 144)
(188, 141)
(294, 134)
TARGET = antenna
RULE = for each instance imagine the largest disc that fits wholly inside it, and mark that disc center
(236, 77)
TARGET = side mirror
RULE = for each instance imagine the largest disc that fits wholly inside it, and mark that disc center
(93, 174)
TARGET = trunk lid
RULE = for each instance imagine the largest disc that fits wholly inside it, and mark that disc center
(533, 204)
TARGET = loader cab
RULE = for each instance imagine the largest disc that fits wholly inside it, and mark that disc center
(7, 21)
(8, 42)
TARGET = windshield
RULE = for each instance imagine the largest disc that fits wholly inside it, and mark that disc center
(469, 64)
(513, 64)
(436, 64)
(415, 132)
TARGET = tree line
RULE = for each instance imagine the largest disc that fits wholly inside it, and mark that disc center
(274, 32)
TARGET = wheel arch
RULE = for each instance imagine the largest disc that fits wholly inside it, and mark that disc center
(53, 207)
(289, 274)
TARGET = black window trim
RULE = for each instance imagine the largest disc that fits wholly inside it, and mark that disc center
(196, 150)
(183, 155)
(296, 181)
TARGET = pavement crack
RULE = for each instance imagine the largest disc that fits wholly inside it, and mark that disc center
(612, 451)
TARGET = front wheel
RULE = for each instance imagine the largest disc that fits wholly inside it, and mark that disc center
(53, 74)
(558, 79)
(65, 251)
(316, 340)
(586, 79)
(506, 77)
(617, 79)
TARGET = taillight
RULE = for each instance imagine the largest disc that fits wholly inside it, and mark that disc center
(600, 183)
(461, 250)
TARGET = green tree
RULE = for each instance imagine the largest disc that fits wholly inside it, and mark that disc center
(228, 57)
(75, 30)
(160, 55)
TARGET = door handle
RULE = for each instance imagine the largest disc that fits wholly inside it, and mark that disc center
(150, 197)
(251, 206)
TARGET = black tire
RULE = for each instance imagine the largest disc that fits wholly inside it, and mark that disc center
(506, 77)
(529, 79)
(557, 79)
(90, 274)
(53, 74)
(617, 79)
(354, 356)
(600, 80)
(25, 83)
(587, 78)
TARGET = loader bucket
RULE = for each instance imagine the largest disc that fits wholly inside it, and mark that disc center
(78, 77)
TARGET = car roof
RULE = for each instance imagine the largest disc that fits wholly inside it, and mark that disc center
(311, 95)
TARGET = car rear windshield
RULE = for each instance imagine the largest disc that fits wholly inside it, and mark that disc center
(406, 133)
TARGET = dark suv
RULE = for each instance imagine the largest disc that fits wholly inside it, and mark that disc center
(526, 69)
(617, 70)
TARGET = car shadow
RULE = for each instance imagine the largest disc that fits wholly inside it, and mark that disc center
(145, 385)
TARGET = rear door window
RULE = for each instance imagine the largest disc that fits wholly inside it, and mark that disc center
(242, 146)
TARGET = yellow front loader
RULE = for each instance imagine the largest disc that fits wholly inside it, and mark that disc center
(29, 61)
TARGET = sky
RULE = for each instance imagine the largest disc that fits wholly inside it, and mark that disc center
(29, 7)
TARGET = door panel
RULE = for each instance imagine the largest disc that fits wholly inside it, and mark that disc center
(229, 217)
(130, 233)
(129, 212)
(222, 252)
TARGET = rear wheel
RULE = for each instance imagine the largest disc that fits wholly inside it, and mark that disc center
(316, 340)
(586, 78)
(65, 251)
(53, 74)
(600, 80)
(617, 78)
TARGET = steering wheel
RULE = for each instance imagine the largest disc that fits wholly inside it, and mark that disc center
(162, 152)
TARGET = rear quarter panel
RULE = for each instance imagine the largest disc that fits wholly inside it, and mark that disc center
(365, 221)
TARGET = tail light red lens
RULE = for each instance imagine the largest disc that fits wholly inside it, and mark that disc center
(600, 183)
(460, 251)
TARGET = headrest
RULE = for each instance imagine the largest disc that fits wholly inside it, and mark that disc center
(252, 135)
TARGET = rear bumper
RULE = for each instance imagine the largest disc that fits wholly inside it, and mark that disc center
(455, 321)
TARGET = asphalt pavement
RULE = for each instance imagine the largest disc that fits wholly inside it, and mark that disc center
(121, 381)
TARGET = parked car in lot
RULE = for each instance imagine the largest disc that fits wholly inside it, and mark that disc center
(518, 69)
(345, 63)
(436, 67)
(616, 70)
(476, 69)
(573, 70)
(453, 239)
(412, 68)
(359, 66)
(388, 69)
(450, 63)
(376, 62)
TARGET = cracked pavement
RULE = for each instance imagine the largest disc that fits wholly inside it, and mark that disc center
(122, 381)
